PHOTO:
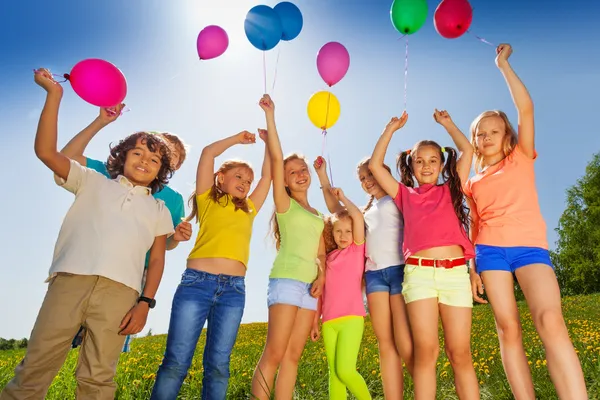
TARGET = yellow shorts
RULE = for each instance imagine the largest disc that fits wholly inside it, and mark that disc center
(450, 286)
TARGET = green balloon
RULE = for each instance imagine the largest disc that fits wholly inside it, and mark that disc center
(408, 16)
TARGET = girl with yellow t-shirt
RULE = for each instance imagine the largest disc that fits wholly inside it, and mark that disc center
(212, 287)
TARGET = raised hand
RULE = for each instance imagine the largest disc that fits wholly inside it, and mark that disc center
(267, 104)
(503, 52)
(397, 123)
(44, 78)
(262, 134)
(108, 115)
(338, 193)
(443, 118)
(320, 165)
(245, 137)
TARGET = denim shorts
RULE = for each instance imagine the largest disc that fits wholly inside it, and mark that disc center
(385, 280)
(292, 292)
(495, 258)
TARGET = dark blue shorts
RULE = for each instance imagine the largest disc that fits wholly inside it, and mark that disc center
(385, 280)
(495, 258)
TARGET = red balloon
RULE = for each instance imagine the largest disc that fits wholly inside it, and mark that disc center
(452, 18)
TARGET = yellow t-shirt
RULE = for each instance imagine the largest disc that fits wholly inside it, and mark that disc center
(223, 232)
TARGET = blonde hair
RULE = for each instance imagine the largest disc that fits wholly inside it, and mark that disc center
(509, 140)
(216, 193)
(274, 223)
(330, 220)
(365, 163)
(178, 144)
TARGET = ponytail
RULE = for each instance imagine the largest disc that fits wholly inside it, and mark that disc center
(403, 164)
(450, 176)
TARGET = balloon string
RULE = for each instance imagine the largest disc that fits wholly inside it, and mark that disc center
(265, 71)
(482, 40)
(406, 73)
(324, 145)
(276, 65)
(35, 71)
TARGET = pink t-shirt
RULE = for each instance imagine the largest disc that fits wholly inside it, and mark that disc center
(430, 220)
(507, 203)
(342, 295)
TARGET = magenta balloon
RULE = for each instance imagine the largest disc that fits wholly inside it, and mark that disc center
(98, 82)
(452, 18)
(333, 62)
(212, 42)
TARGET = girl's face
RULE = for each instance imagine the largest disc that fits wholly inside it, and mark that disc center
(426, 165)
(297, 175)
(489, 136)
(368, 182)
(142, 165)
(236, 181)
(342, 232)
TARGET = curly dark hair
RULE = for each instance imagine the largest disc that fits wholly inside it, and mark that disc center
(118, 154)
(449, 175)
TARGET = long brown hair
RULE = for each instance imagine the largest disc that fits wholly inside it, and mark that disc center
(118, 154)
(274, 223)
(509, 142)
(365, 163)
(449, 175)
(330, 244)
(216, 193)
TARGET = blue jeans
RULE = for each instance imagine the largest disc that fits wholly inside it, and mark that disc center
(201, 296)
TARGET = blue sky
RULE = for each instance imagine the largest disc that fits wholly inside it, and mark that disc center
(153, 42)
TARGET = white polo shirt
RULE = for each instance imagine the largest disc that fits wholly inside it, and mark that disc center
(385, 233)
(109, 228)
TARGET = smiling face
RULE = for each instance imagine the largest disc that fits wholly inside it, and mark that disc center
(368, 182)
(297, 175)
(426, 163)
(342, 232)
(236, 181)
(142, 165)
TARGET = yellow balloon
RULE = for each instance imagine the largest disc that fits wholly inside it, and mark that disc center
(323, 109)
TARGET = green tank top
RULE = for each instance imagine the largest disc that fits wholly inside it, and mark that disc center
(300, 232)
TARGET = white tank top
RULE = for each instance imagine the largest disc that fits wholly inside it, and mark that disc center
(385, 233)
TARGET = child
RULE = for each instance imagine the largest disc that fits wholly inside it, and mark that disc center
(96, 274)
(341, 303)
(292, 301)
(436, 248)
(173, 200)
(212, 287)
(509, 233)
(384, 276)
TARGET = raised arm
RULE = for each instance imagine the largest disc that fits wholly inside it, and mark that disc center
(333, 204)
(47, 131)
(206, 166)
(358, 220)
(385, 179)
(261, 191)
(280, 196)
(76, 146)
(521, 98)
(465, 148)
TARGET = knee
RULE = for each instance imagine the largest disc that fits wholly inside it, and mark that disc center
(293, 355)
(550, 323)
(216, 365)
(272, 356)
(459, 357)
(173, 370)
(387, 346)
(345, 372)
(509, 331)
(426, 353)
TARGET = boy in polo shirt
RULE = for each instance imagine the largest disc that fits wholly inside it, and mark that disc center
(96, 273)
(75, 150)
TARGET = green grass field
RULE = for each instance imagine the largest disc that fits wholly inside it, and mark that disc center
(137, 369)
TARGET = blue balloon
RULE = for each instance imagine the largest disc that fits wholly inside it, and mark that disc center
(291, 19)
(263, 27)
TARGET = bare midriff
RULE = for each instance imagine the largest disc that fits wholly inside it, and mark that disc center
(217, 266)
(442, 252)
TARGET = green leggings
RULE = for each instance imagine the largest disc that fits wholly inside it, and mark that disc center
(342, 337)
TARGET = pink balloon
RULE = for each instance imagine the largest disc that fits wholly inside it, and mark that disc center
(333, 62)
(98, 82)
(212, 42)
(452, 18)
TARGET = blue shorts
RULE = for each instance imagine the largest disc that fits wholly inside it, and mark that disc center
(385, 280)
(291, 292)
(495, 258)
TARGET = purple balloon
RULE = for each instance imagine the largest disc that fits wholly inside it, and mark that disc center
(212, 42)
(333, 62)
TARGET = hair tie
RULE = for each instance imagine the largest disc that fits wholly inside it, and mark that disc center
(408, 152)
(443, 149)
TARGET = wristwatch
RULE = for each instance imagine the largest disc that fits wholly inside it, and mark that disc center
(151, 302)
